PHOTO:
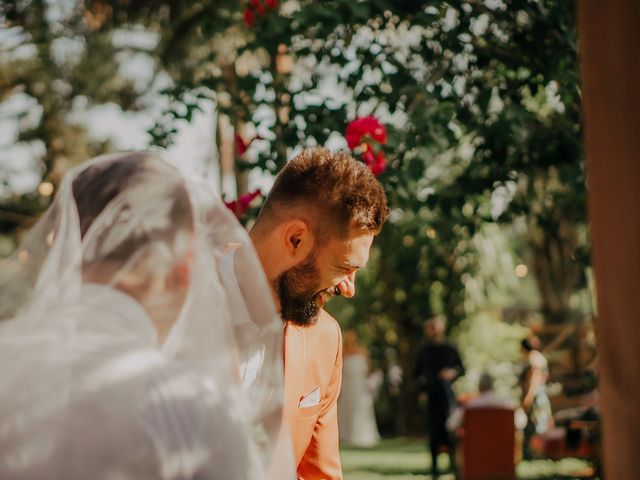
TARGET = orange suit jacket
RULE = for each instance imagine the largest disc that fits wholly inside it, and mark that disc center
(312, 378)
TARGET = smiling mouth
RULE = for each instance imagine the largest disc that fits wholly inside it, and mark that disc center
(328, 294)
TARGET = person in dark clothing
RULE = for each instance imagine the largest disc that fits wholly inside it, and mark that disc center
(438, 365)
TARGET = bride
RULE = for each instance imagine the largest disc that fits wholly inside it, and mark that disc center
(118, 357)
(356, 415)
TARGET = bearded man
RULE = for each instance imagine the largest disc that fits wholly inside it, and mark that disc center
(312, 235)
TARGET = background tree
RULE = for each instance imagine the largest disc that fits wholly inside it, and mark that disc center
(480, 102)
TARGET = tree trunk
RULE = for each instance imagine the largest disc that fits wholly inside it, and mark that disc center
(553, 240)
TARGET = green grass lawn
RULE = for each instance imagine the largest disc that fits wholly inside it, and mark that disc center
(402, 459)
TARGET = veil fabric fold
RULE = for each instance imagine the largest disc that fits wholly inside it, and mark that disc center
(87, 387)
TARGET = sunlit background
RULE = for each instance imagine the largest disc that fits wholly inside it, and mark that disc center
(481, 160)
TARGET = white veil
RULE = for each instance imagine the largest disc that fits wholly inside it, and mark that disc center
(87, 390)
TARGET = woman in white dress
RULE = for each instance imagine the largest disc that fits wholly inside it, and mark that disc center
(117, 354)
(356, 415)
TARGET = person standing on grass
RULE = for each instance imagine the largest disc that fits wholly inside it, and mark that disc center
(438, 366)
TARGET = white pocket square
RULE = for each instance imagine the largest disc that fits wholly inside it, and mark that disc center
(311, 399)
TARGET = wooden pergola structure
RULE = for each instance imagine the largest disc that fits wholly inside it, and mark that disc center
(610, 51)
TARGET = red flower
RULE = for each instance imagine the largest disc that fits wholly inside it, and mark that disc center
(243, 145)
(367, 156)
(376, 162)
(257, 7)
(240, 206)
(249, 17)
(257, 4)
(362, 127)
(379, 165)
(359, 133)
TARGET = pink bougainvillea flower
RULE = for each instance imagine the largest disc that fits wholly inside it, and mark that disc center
(240, 206)
(362, 127)
(249, 17)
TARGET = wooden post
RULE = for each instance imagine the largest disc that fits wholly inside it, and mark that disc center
(610, 51)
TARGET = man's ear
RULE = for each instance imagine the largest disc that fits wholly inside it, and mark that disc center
(298, 239)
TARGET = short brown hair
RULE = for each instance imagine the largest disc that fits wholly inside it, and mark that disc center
(339, 190)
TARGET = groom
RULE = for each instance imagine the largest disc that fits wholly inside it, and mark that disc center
(313, 234)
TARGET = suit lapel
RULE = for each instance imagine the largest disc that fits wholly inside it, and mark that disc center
(295, 363)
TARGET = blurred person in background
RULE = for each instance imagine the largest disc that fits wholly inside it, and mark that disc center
(487, 398)
(356, 414)
(438, 365)
(533, 382)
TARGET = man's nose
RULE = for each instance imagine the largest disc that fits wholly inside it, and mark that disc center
(347, 286)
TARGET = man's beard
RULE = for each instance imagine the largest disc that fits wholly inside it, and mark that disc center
(297, 291)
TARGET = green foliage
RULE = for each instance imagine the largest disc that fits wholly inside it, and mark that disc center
(490, 345)
(57, 55)
(482, 106)
(477, 98)
(481, 101)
